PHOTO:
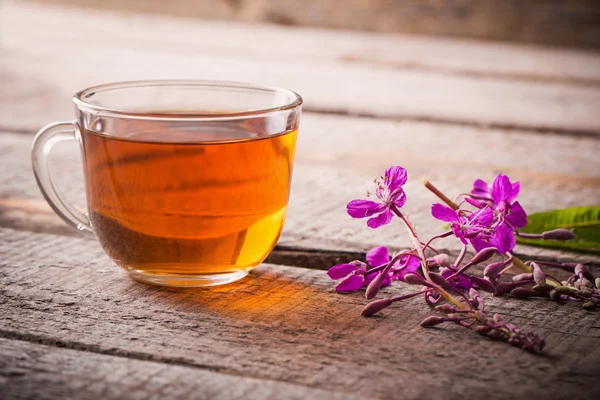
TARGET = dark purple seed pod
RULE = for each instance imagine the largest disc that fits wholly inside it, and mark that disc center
(522, 277)
(375, 285)
(432, 321)
(445, 308)
(558, 234)
(483, 255)
(504, 287)
(440, 281)
(483, 284)
(375, 306)
(523, 293)
(493, 269)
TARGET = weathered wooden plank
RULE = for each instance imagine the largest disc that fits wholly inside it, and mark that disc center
(285, 324)
(318, 45)
(34, 95)
(330, 171)
(572, 22)
(33, 371)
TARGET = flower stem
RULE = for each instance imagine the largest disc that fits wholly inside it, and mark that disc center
(441, 235)
(461, 255)
(441, 195)
(420, 252)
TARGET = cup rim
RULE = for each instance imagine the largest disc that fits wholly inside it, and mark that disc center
(79, 100)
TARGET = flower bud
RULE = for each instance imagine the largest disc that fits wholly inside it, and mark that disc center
(414, 279)
(483, 255)
(588, 305)
(522, 277)
(504, 287)
(445, 308)
(432, 321)
(482, 329)
(375, 285)
(558, 234)
(440, 281)
(542, 288)
(582, 270)
(493, 269)
(566, 291)
(555, 296)
(375, 306)
(523, 293)
(483, 284)
(538, 275)
(440, 259)
(480, 316)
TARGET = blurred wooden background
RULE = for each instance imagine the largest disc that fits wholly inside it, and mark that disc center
(555, 22)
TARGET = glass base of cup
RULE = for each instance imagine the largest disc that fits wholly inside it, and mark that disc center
(186, 280)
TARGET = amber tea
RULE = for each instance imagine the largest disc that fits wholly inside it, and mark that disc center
(165, 203)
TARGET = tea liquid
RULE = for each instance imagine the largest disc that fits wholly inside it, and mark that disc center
(177, 202)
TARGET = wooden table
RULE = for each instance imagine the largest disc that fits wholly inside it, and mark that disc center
(73, 326)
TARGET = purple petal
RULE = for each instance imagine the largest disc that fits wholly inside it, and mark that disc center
(443, 213)
(378, 256)
(459, 281)
(412, 266)
(341, 270)
(363, 208)
(395, 177)
(483, 217)
(501, 188)
(382, 219)
(458, 233)
(514, 191)
(479, 244)
(351, 283)
(398, 198)
(475, 203)
(480, 187)
(413, 263)
(503, 239)
(517, 216)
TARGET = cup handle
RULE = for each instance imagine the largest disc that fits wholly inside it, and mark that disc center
(47, 137)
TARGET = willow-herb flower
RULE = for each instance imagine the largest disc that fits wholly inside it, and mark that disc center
(486, 221)
(390, 194)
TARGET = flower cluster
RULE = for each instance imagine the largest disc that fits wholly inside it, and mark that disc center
(486, 219)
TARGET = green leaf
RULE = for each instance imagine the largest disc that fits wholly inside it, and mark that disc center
(583, 221)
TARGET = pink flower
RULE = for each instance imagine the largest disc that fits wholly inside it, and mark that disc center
(407, 264)
(390, 194)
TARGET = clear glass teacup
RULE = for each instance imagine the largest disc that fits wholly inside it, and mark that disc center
(187, 182)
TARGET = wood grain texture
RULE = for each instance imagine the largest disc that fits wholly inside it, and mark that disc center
(572, 22)
(111, 48)
(285, 324)
(33, 371)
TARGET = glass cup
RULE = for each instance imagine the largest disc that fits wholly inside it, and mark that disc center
(187, 182)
